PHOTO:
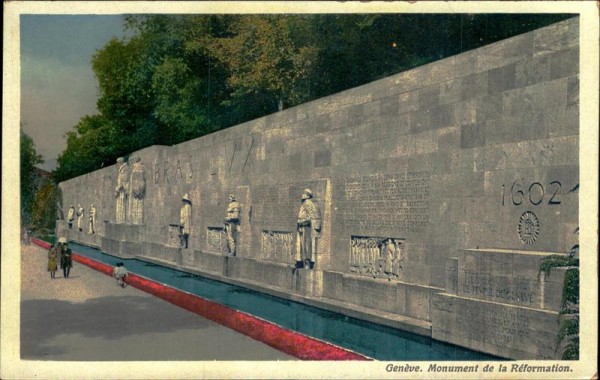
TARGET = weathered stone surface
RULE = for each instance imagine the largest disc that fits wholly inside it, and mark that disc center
(211, 262)
(556, 37)
(470, 165)
(509, 277)
(506, 330)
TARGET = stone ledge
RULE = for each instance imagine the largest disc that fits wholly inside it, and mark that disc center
(556, 313)
(513, 251)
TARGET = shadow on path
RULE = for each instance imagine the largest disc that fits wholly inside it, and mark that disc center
(109, 318)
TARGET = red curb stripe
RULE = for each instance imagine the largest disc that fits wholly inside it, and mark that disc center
(40, 243)
(290, 342)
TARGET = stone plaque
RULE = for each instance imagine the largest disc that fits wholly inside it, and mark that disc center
(173, 239)
(385, 202)
(216, 239)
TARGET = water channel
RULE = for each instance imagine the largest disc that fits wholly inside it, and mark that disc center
(370, 339)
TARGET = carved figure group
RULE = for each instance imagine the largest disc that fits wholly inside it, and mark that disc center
(130, 192)
(308, 231)
(376, 257)
(232, 223)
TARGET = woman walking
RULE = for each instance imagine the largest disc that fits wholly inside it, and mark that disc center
(52, 260)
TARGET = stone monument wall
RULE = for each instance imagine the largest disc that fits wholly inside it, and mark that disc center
(440, 188)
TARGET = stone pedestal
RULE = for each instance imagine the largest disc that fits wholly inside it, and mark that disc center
(272, 274)
(212, 262)
(124, 240)
(62, 229)
(309, 282)
(82, 237)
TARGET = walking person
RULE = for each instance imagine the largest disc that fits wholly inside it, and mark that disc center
(66, 260)
(52, 260)
(120, 273)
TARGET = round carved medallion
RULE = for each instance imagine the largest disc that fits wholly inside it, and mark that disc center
(529, 227)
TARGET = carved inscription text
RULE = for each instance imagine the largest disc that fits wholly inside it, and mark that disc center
(498, 327)
(385, 202)
(498, 289)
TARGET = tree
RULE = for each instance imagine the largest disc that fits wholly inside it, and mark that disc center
(179, 77)
(44, 210)
(269, 55)
(94, 143)
(29, 176)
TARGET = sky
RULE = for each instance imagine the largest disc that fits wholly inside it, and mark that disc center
(58, 86)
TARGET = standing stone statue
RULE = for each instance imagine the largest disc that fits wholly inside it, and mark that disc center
(389, 249)
(71, 216)
(121, 190)
(79, 217)
(92, 220)
(309, 230)
(59, 211)
(138, 190)
(232, 223)
(59, 205)
(185, 220)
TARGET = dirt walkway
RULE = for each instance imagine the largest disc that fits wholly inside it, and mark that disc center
(87, 317)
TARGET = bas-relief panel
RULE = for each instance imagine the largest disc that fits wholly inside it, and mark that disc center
(278, 245)
(376, 257)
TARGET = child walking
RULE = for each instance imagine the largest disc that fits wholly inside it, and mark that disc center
(120, 273)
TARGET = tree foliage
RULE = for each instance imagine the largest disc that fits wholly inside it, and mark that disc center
(29, 177)
(182, 76)
(43, 216)
(267, 53)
